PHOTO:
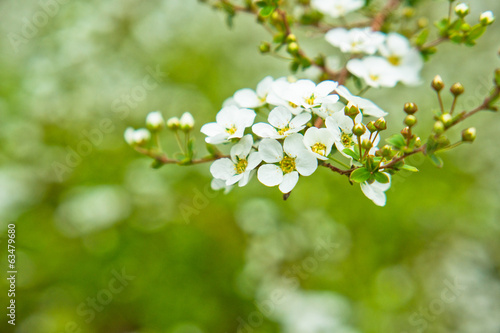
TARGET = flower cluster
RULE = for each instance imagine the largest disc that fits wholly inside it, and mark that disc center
(291, 141)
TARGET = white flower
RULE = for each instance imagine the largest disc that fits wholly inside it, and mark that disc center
(239, 167)
(230, 123)
(406, 60)
(340, 126)
(365, 105)
(187, 121)
(155, 121)
(219, 184)
(337, 8)
(282, 124)
(319, 141)
(247, 98)
(328, 109)
(302, 94)
(376, 71)
(487, 18)
(356, 40)
(293, 159)
(462, 9)
(137, 137)
(376, 191)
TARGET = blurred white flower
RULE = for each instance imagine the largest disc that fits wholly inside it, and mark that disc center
(248, 98)
(187, 121)
(282, 124)
(365, 105)
(230, 123)
(376, 191)
(173, 123)
(328, 109)
(487, 17)
(155, 121)
(237, 169)
(462, 9)
(292, 159)
(319, 141)
(356, 40)
(337, 8)
(375, 71)
(139, 137)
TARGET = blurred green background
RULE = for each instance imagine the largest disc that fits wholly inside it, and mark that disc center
(107, 244)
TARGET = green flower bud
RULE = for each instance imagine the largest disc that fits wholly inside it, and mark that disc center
(437, 84)
(410, 108)
(422, 22)
(173, 123)
(487, 18)
(155, 121)
(469, 134)
(447, 119)
(438, 127)
(385, 151)
(418, 142)
(293, 48)
(186, 122)
(381, 124)
(265, 47)
(371, 127)
(291, 38)
(359, 129)
(351, 112)
(410, 120)
(462, 10)
(366, 144)
(405, 132)
(457, 89)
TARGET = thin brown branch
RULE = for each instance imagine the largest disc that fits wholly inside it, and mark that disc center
(381, 17)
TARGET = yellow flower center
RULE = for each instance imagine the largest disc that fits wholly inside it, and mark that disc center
(231, 130)
(241, 166)
(374, 77)
(292, 105)
(311, 99)
(283, 130)
(395, 60)
(346, 140)
(319, 148)
(287, 164)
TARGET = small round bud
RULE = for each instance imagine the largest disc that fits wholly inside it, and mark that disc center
(408, 12)
(462, 10)
(186, 122)
(465, 27)
(438, 127)
(418, 142)
(437, 84)
(410, 108)
(457, 89)
(293, 48)
(422, 22)
(155, 121)
(265, 47)
(359, 129)
(410, 120)
(366, 144)
(381, 124)
(371, 126)
(351, 112)
(129, 136)
(291, 38)
(405, 132)
(138, 137)
(173, 123)
(469, 134)
(385, 151)
(487, 18)
(447, 119)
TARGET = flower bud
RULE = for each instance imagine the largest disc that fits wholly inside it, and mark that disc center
(371, 127)
(447, 119)
(438, 127)
(186, 122)
(381, 124)
(173, 123)
(410, 108)
(138, 137)
(457, 89)
(359, 129)
(293, 48)
(155, 121)
(366, 144)
(422, 22)
(405, 132)
(487, 18)
(129, 136)
(351, 112)
(291, 38)
(462, 10)
(469, 134)
(264, 47)
(385, 151)
(410, 120)
(437, 84)
(418, 142)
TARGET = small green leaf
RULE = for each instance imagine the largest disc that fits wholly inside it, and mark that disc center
(157, 164)
(476, 32)
(436, 160)
(381, 177)
(360, 175)
(266, 11)
(397, 141)
(351, 153)
(409, 168)
(422, 37)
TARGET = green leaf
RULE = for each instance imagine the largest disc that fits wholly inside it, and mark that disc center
(397, 141)
(436, 160)
(261, 4)
(266, 11)
(409, 168)
(157, 164)
(381, 177)
(360, 175)
(422, 37)
(351, 153)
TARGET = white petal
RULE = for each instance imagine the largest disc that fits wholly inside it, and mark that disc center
(254, 159)
(306, 163)
(289, 182)
(270, 175)
(264, 86)
(227, 116)
(211, 129)
(300, 120)
(247, 98)
(243, 147)
(294, 145)
(270, 150)
(265, 130)
(325, 87)
(378, 197)
(279, 117)
(245, 117)
(222, 169)
(234, 179)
